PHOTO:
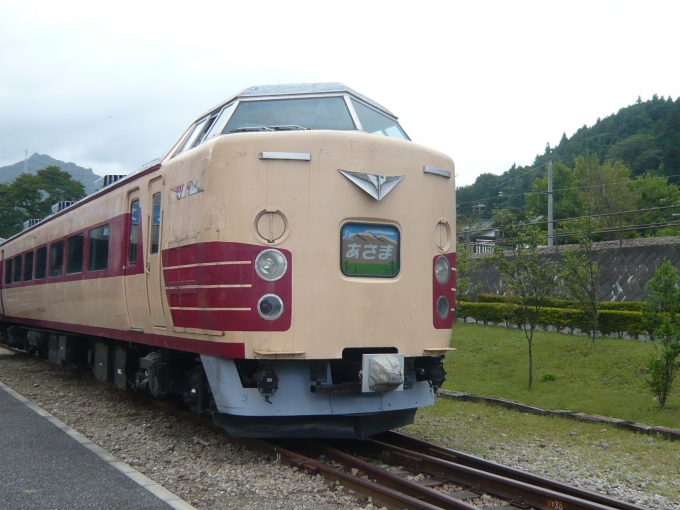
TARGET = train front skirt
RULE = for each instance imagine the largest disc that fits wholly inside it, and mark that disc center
(296, 411)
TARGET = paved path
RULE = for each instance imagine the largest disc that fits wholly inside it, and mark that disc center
(46, 465)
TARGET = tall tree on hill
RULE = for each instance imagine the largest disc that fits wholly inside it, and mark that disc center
(605, 189)
(31, 196)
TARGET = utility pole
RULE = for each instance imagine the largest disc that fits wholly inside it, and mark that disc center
(550, 204)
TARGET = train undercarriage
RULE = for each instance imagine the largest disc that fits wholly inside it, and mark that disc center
(249, 397)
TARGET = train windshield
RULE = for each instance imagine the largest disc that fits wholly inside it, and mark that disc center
(291, 114)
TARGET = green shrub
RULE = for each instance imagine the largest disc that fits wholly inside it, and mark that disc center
(609, 322)
(551, 302)
(619, 322)
(493, 313)
(492, 298)
(622, 306)
(548, 377)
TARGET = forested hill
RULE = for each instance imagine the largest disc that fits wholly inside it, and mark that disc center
(645, 137)
(39, 161)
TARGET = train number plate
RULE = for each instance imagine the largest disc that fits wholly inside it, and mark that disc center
(369, 250)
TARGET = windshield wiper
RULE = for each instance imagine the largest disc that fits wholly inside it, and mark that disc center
(251, 128)
(291, 127)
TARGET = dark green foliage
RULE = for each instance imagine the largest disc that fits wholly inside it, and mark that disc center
(32, 196)
(644, 138)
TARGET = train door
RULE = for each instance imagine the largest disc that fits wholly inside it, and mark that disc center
(154, 265)
(133, 268)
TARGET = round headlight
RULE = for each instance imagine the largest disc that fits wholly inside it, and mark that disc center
(271, 265)
(270, 307)
(442, 307)
(442, 270)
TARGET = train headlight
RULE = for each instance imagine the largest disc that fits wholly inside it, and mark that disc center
(271, 265)
(442, 307)
(270, 307)
(442, 270)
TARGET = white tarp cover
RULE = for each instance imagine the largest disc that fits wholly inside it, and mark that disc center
(384, 373)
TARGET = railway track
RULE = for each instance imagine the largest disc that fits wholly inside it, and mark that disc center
(345, 462)
(399, 471)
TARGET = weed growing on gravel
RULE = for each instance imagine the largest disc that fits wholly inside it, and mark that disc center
(602, 377)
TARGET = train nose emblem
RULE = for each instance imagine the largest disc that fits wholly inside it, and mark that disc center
(375, 185)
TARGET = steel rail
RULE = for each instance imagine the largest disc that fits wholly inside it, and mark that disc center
(412, 443)
(380, 494)
(387, 479)
(519, 492)
(398, 439)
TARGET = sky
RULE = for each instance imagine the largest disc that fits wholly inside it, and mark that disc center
(112, 86)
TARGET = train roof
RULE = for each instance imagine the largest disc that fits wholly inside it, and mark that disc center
(301, 89)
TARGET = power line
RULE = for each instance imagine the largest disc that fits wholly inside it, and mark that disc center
(518, 176)
(539, 192)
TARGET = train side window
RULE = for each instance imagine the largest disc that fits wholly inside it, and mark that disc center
(56, 258)
(17, 269)
(219, 124)
(41, 263)
(74, 263)
(134, 232)
(28, 266)
(99, 248)
(206, 130)
(156, 224)
(8, 271)
(192, 137)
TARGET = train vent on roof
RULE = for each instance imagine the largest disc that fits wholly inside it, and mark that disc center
(60, 206)
(30, 223)
(105, 181)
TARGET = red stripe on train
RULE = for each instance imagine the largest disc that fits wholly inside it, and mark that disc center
(204, 296)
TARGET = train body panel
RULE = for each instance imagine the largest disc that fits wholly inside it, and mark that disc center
(359, 227)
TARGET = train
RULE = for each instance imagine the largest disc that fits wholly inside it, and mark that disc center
(288, 268)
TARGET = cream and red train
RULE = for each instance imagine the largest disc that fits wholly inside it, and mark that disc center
(289, 266)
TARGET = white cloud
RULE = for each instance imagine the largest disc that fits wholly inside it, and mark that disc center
(488, 83)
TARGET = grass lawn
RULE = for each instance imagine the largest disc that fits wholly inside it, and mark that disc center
(570, 372)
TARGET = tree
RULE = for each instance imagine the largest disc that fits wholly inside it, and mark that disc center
(640, 152)
(605, 188)
(662, 321)
(31, 196)
(565, 198)
(528, 277)
(580, 273)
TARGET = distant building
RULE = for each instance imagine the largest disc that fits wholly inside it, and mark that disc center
(480, 237)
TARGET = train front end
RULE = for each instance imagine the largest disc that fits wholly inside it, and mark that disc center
(337, 274)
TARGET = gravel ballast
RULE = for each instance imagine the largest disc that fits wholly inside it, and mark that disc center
(208, 471)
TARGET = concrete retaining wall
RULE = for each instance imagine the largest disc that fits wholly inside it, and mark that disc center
(624, 271)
